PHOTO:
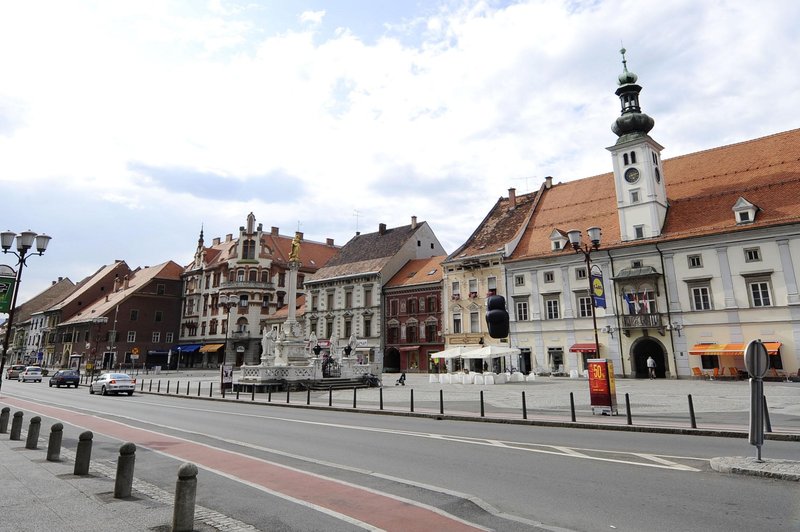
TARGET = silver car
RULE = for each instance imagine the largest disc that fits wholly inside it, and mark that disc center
(31, 373)
(115, 383)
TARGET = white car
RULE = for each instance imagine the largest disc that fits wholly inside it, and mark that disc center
(113, 383)
(31, 373)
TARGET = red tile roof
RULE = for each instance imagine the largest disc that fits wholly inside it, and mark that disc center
(702, 188)
(418, 271)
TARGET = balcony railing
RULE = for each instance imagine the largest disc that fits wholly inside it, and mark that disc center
(238, 285)
(642, 321)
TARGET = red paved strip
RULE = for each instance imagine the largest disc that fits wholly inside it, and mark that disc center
(378, 510)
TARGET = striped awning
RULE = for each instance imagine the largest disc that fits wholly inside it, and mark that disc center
(210, 348)
(730, 349)
(583, 348)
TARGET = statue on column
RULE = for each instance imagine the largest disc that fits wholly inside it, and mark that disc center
(267, 342)
(294, 255)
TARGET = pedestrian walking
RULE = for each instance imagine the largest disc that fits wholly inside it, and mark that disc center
(651, 367)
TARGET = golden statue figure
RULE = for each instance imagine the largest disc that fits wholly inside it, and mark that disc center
(294, 255)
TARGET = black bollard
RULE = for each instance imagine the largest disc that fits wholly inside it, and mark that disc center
(178, 388)
(691, 413)
(158, 389)
(412, 399)
(222, 387)
(330, 395)
(198, 389)
(125, 465)
(185, 496)
(767, 424)
(269, 394)
(381, 398)
(16, 426)
(54, 443)
(210, 389)
(524, 406)
(572, 405)
(483, 411)
(141, 387)
(441, 402)
(188, 386)
(628, 409)
(32, 442)
(5, 413)
(354, 396)
(168, 387)
(84, 453)
(253, 392)
(150, 388)
(287, 392)
(237, 392)
(308, 396)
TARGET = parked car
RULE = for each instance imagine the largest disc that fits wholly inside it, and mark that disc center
(14, 370)
(31, 373)
(113, 383)
(65, 377)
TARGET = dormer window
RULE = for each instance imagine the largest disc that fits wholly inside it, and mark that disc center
(744, 211)
(557, 240)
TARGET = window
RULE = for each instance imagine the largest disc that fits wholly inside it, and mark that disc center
(473, 288)
(265, 276)
(549, 277)
(367, 297)
(759, 293)
(456, 288)
(456, 323)
(168, 338)
(491, 285)
(240, 275)
(695, 261)
(161, 289)
(752, 255)
(584, 306)
(266, 299)
(635, 196)
(282, 279)
(134, 314)
(393, 308)
(158, 316)
(131, 336)
(638, 231)
(633, 157)
(432, 306)
(580, 273)
(243, 301)
(655, 159)
(474, 322)
(744, 217)
(412, 305)
(348, 302)
(248, 249)
(348, 328)
(329, 305)
(430, 332)
(156, 337)
(212, 327)
(393, 334)
(701, 296)
(636, 264)
(625, 159)
(328, 328)
(367, 327)
(411, 333)
(551, 307)
(522, 310)
(519, 280)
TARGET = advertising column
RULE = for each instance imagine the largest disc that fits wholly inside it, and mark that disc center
(602, 388)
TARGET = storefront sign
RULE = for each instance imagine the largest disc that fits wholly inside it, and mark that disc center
(602, 388)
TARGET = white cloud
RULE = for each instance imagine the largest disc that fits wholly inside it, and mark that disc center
(437, 118)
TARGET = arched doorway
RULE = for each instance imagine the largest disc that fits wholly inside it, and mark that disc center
(643, 348)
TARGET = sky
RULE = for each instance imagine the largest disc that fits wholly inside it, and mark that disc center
(127, 126)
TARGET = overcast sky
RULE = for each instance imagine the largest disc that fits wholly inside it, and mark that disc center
(126, 126)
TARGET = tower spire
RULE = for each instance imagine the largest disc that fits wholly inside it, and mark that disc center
(632, 122)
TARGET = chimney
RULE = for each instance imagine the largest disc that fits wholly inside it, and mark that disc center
(116, 283)
(413, 222)
(548, 182)
(381, 229)
(125, 283)
(512, 198)
(215, 242)
(228, 237)
(274, 231)
(329, 241)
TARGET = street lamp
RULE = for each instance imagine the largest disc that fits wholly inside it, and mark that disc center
(575, 239)
(25, 241)
(226, 303)
(96, 322)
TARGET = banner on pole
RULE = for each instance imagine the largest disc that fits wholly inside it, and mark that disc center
(6, 293)
(598, 292)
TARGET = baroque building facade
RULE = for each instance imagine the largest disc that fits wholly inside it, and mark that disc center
(698, 255)
(232, 287)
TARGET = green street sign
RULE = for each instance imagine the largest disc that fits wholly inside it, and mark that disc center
(6, 293)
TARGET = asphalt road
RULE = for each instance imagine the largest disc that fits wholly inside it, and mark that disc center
(296, 469)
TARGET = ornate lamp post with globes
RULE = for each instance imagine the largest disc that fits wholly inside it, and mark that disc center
(25, 241)
(226, 302)
(579, 247)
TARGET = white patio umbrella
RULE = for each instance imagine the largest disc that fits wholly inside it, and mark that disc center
(491, 351)
(453, 352)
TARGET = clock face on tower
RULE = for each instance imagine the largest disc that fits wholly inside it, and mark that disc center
(631, 175)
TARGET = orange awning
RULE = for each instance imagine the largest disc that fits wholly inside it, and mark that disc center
(210, 348)
(730, 349)
(583, 348)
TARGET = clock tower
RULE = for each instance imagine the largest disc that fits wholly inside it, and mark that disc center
(638, 173)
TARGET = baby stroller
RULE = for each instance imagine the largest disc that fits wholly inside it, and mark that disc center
(402, 380)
